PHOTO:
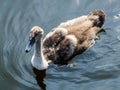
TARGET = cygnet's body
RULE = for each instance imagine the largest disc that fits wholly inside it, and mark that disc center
(73, 37)
(64, 42)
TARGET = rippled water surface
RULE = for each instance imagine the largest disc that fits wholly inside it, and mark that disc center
(97, 69)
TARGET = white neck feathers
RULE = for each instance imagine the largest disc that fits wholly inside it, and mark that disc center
(38, 61)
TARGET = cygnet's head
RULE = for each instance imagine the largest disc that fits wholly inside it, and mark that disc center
(35, 35)
(36, 32)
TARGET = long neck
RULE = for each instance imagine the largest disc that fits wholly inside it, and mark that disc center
(38, 60)
(38, 47)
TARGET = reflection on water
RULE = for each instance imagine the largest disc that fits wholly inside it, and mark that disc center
(40, 75)
(96, 69)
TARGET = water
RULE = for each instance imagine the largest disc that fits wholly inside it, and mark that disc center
(97, 69)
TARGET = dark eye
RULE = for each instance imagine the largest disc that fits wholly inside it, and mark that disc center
(36, 34)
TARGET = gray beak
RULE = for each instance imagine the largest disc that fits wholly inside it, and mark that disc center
(30, 45)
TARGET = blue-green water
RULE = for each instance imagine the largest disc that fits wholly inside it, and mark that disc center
(97, 69)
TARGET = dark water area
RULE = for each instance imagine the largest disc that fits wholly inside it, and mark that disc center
(96, 69)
